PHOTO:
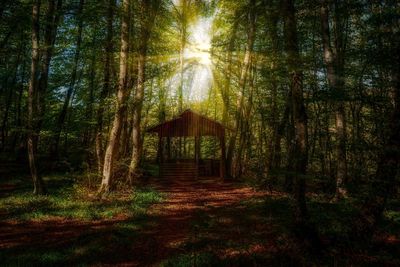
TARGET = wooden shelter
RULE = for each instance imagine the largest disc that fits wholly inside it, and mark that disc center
(190, 124)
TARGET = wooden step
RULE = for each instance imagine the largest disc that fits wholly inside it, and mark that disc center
(178, 174)
(179, 171)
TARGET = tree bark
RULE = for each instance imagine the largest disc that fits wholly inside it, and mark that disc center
(274, 145)
(38, 87)
(333, 65)
(300, 151)
(122, 95)
(52, 20)
(242, 85)
(226, 93)
(245, 122)
(148, 11)
(38, 185)
(106, 86)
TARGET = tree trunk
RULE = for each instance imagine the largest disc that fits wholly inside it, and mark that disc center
(106, 86)
(52, 20)
(290, 145)
(37, 88)
(38, 185)
(242, 84)
(300, 151)
(226, 93)
(63, 113)
(148, 11)
(245, 130)
(336, 85)
(122, 95)
(137, 114)
(273, 122)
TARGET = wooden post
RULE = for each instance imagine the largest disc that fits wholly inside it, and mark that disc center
(160, 150)
(160, 153)
(169, 148)
(197, 153)
(222, 172)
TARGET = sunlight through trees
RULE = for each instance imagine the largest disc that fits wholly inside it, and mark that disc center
(297, 99)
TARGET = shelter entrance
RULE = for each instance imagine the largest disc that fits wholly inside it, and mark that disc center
(179, 147)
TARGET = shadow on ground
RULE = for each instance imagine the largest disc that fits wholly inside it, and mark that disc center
(203, 222)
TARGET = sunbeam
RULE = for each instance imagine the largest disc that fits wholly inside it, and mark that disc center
(198, 54)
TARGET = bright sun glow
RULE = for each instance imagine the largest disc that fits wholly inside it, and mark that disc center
(198, 75)
(199, 50)
(200, 42)
(203, 57)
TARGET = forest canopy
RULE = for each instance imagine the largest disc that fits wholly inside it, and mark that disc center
(308, 93)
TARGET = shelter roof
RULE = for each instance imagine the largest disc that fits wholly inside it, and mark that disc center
(189, 123)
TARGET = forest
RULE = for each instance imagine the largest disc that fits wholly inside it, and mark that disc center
(199, 133)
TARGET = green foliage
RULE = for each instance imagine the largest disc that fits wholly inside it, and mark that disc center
(74, 203)
(393, 215)
(334, 220)
(143, 197)
(120, 219)
(229, 236)
(365, 38)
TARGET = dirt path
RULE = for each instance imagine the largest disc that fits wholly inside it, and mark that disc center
(167, 226)
(185, 198)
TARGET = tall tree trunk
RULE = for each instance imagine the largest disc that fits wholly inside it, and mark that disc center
(37, 88)
(63, 113)
(276, 128)
(333, 65)
(226, 91)
(161, 118)
(290, 145)
(53, 15)
(242, 85)
(300, 151)
(148, 11)
(122, 95)
(106, 86)
(245, 130)
(38, 185)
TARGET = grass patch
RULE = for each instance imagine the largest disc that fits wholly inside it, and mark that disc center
(71, 202)
(74, 228)
(334, 220)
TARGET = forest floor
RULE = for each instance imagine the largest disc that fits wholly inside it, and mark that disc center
(178, 223)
